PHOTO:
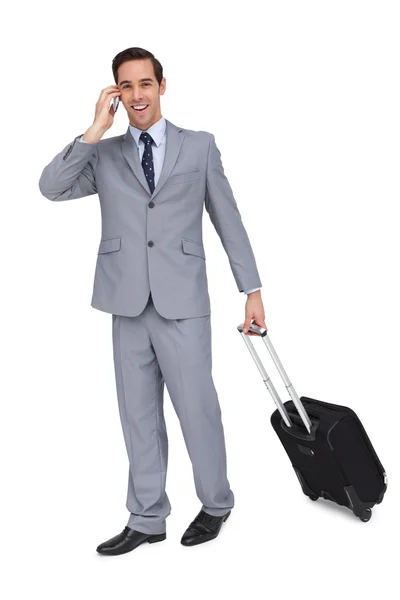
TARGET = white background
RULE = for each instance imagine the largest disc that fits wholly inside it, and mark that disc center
(303, 100)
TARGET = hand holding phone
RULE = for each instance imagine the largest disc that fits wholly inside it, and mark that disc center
(104, 115)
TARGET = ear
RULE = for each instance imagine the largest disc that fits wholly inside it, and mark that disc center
(163, 86)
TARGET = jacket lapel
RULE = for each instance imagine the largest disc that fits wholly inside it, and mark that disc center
(174, 138)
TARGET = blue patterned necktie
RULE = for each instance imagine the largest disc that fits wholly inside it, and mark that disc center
(147, 159)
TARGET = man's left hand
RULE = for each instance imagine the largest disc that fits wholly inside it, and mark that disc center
(254, 312)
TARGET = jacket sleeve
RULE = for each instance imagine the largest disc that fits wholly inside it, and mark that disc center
(71, 173)
(224, 214)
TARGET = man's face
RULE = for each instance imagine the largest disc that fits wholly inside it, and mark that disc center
(138, 86)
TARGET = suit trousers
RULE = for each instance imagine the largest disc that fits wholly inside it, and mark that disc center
(150, 351)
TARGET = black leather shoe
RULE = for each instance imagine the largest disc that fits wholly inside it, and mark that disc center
(204, 528)
(128, 540)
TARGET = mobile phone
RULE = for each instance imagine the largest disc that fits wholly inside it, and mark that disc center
(115, 103)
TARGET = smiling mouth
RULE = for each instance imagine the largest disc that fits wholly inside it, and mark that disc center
(141, 109)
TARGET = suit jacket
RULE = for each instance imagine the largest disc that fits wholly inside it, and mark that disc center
(153, 242)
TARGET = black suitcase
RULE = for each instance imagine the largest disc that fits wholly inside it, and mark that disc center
(327, 444)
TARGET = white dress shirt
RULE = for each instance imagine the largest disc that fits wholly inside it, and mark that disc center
(158, 133)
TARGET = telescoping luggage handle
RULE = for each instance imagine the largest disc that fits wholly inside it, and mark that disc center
(262, 332)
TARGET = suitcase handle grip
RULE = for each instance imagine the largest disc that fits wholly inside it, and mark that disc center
(262, 332)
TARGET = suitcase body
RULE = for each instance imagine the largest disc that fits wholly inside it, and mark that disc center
(326, 443)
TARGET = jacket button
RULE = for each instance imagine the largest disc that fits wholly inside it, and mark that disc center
(150, 244)
(151, 205)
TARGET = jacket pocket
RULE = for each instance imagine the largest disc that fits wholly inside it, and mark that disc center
(186, 177)
(109, 245)
(196, 248)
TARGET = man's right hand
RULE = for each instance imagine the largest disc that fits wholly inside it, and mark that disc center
(104, 115)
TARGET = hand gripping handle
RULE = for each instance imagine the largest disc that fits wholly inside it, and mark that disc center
(262, 332)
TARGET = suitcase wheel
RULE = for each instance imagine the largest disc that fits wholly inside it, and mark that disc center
(366, 515)
(313, 498)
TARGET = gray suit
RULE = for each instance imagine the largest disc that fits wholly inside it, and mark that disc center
(151, 275)
(174, 268)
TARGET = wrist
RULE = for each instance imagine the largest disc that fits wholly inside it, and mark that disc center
(92, 136)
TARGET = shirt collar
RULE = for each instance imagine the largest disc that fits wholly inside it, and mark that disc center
(157, 131)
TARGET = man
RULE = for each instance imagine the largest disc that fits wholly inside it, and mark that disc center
(153, 183)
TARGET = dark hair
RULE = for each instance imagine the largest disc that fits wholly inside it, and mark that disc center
(135, 54)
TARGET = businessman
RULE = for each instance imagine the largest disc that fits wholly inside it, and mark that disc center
(153, 183)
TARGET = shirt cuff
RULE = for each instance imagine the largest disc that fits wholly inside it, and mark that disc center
(251, 290)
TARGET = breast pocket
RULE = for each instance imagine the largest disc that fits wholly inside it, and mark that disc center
(186, 177)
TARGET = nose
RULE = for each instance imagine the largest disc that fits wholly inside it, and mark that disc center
(136, 94)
